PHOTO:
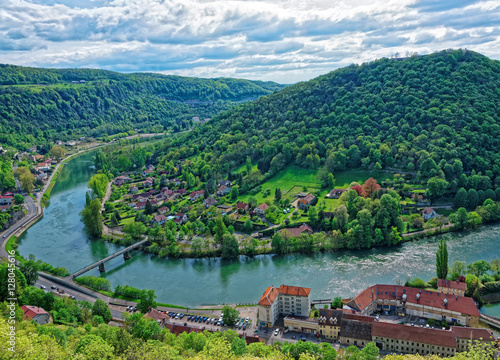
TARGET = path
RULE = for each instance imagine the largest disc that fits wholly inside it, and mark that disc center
(428, 230)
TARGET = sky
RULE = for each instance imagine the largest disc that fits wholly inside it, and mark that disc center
(280, 40)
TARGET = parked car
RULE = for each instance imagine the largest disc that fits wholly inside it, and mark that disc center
(182, 315)
(247, 319)
(53, 287)
(244, 326)
(276, 332)
(42, 287)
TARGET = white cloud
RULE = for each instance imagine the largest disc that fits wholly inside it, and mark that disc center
(281, 40)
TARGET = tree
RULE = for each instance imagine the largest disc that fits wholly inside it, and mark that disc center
(113, 221)
(57, 152)
(337, 303)
(148, 209)
(26, 179)
(135, 229)
(331, 181)
(457, 269)
(229, 248)
(235, 192)
(472, 199)
(460, 218)
(249, 164)
(18, 199)
(442, 260)
(478, 268)
(147, 300)
(370, 186)
(123, 163)
(100, 308)
(229, 315)
(92, 218)
(461, 198)
(30, 270)
(93, 347)
(117, 214)
(248, 226)
(277, 194)
(436, 187)
(219, 229)
(98, 184)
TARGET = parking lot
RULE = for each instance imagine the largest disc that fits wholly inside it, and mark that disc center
(245, 324)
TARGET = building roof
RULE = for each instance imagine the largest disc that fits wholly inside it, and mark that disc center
(308, 198)
(472, 333)
(210, 201)
(263, 206)
(330, 317)
(414, 333)
(452, 284)
(156, 315)
(31, 311)
(295, 232)
(7, 197)
(302, 318)
(356, 329)
(337, 192)
(267, 299)
(241, 205)
(427, 210)
(159, 218)
(194, 193)
(463, 305)
(294, 290)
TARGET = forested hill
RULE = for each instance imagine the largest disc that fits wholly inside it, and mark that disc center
(49, 104)
(438, 114)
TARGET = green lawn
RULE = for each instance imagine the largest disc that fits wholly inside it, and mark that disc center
(290, 180)
(293, 179)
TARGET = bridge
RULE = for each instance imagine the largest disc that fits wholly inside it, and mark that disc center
(100, 264)
(322, 301)
(490, 320)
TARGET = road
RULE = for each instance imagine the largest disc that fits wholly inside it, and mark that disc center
(31, 213)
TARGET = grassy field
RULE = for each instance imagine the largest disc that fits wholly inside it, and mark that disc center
(290, 180)
(293, 180)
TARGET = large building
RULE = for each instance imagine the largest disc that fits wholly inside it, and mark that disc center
(329, 322)
(402, 300)
(285, 300)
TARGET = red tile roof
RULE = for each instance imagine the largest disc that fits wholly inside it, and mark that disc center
(463, 305)
(31, 311)
(452, 284)
(427, 210)
(242, 205)
(472, 333)
(156, 315)
(294, 290)
(269, 296)
(264, 206)
(296, 232)
(414, 333)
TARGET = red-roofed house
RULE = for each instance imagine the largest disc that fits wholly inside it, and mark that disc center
(306, 201)
(223, 190)
(283, 300)
(241, 206)
(180, 218)
(163, 210)
(6, 200)
(451, 287)
(157, 316)
(37, 314)
(428, 213)
(159, 219)
(261, 209)
(412, 301)
(296, 232)
(196, 195)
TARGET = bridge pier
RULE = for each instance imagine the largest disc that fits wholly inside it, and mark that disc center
(101, 267)
(126, 255)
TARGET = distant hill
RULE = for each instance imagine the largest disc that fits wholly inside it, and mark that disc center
(48, 104)
(437, 114)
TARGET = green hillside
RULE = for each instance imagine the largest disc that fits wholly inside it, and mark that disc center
(48, 104)
(436, 115)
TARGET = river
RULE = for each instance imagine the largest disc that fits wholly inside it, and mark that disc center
(59, 239)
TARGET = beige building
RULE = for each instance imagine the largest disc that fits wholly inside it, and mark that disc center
(451, 287)
(301, 324)
(465, 335)
(329, 323)
(285, 300)
(413, 339)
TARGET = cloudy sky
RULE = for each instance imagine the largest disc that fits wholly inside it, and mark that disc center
(280, 40)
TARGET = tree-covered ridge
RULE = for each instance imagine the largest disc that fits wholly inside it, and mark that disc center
(421, 113)
(37, 105)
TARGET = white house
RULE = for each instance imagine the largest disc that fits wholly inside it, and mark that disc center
(284, 300)
(428, 213)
